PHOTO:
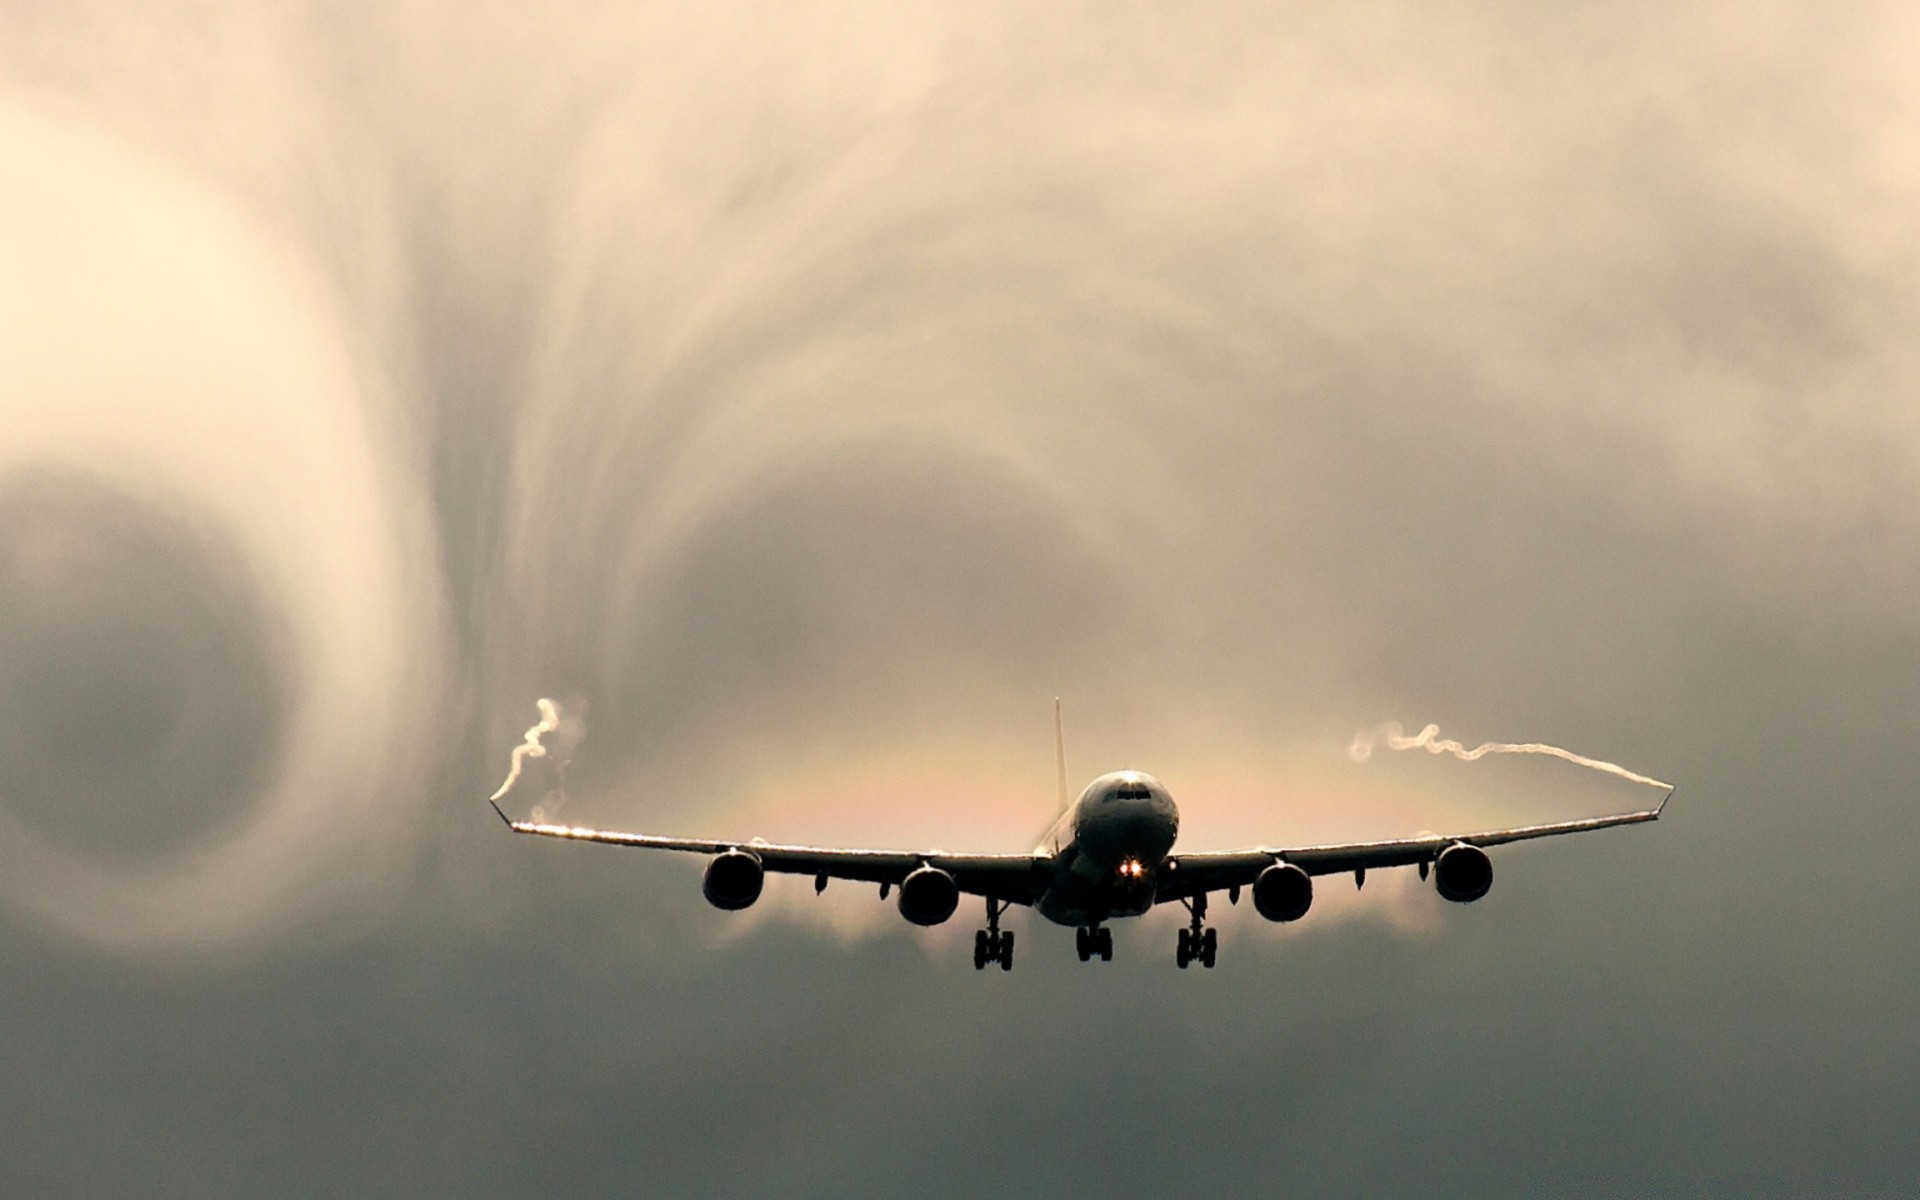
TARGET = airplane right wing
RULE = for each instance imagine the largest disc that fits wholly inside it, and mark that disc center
(1187, 875)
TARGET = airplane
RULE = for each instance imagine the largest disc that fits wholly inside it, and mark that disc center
(1109, 855)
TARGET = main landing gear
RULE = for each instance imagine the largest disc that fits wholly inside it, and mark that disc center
(990, 944)
(1090, 940)
(1198, 941)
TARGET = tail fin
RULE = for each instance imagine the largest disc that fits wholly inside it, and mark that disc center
(1057, 830)
(1060, 751)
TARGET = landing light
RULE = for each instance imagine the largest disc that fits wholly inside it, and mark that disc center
(1132, 868)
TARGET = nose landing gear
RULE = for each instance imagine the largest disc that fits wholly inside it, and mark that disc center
(990, 945)
(1090, 940)
(1197, 941)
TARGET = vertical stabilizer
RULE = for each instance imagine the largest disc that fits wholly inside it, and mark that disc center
(1060, 751)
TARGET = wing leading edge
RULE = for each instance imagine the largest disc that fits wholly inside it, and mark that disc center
(1014, 878)
(1186, 875)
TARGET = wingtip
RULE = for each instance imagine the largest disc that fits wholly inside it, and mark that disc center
(503, 816)
(1662, 806)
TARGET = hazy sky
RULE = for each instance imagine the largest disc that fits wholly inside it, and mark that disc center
(807, 394)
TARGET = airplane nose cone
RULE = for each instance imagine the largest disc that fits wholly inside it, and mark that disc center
(1127, 823)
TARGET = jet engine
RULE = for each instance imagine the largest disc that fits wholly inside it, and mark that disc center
(1283, 892)
(1462, 873)
(733, 880)
(928, 896)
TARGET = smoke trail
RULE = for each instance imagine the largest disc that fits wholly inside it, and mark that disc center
(1429, 739)
(534, 746)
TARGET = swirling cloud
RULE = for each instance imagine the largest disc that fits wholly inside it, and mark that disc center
(220, 601)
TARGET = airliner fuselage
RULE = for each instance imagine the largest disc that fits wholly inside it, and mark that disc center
(1108, 850)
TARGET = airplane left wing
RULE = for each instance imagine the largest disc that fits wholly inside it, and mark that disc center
(1187, 875)
(1013, 878)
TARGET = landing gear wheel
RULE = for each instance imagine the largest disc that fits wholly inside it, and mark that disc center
(1083, 943)
(1197, 942)
(1106, 944)
(991, 945)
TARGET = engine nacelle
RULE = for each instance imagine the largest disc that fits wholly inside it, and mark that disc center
(1462, 873)
(733, 880)
(928, 896)
(1283, 892)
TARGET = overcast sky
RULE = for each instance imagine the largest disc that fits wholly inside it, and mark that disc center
(805, 395)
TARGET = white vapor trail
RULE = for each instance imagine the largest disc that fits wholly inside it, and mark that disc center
(532, 747)
(1429, 739)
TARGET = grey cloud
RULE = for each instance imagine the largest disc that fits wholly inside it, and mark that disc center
(816, 385)
(144, 701)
